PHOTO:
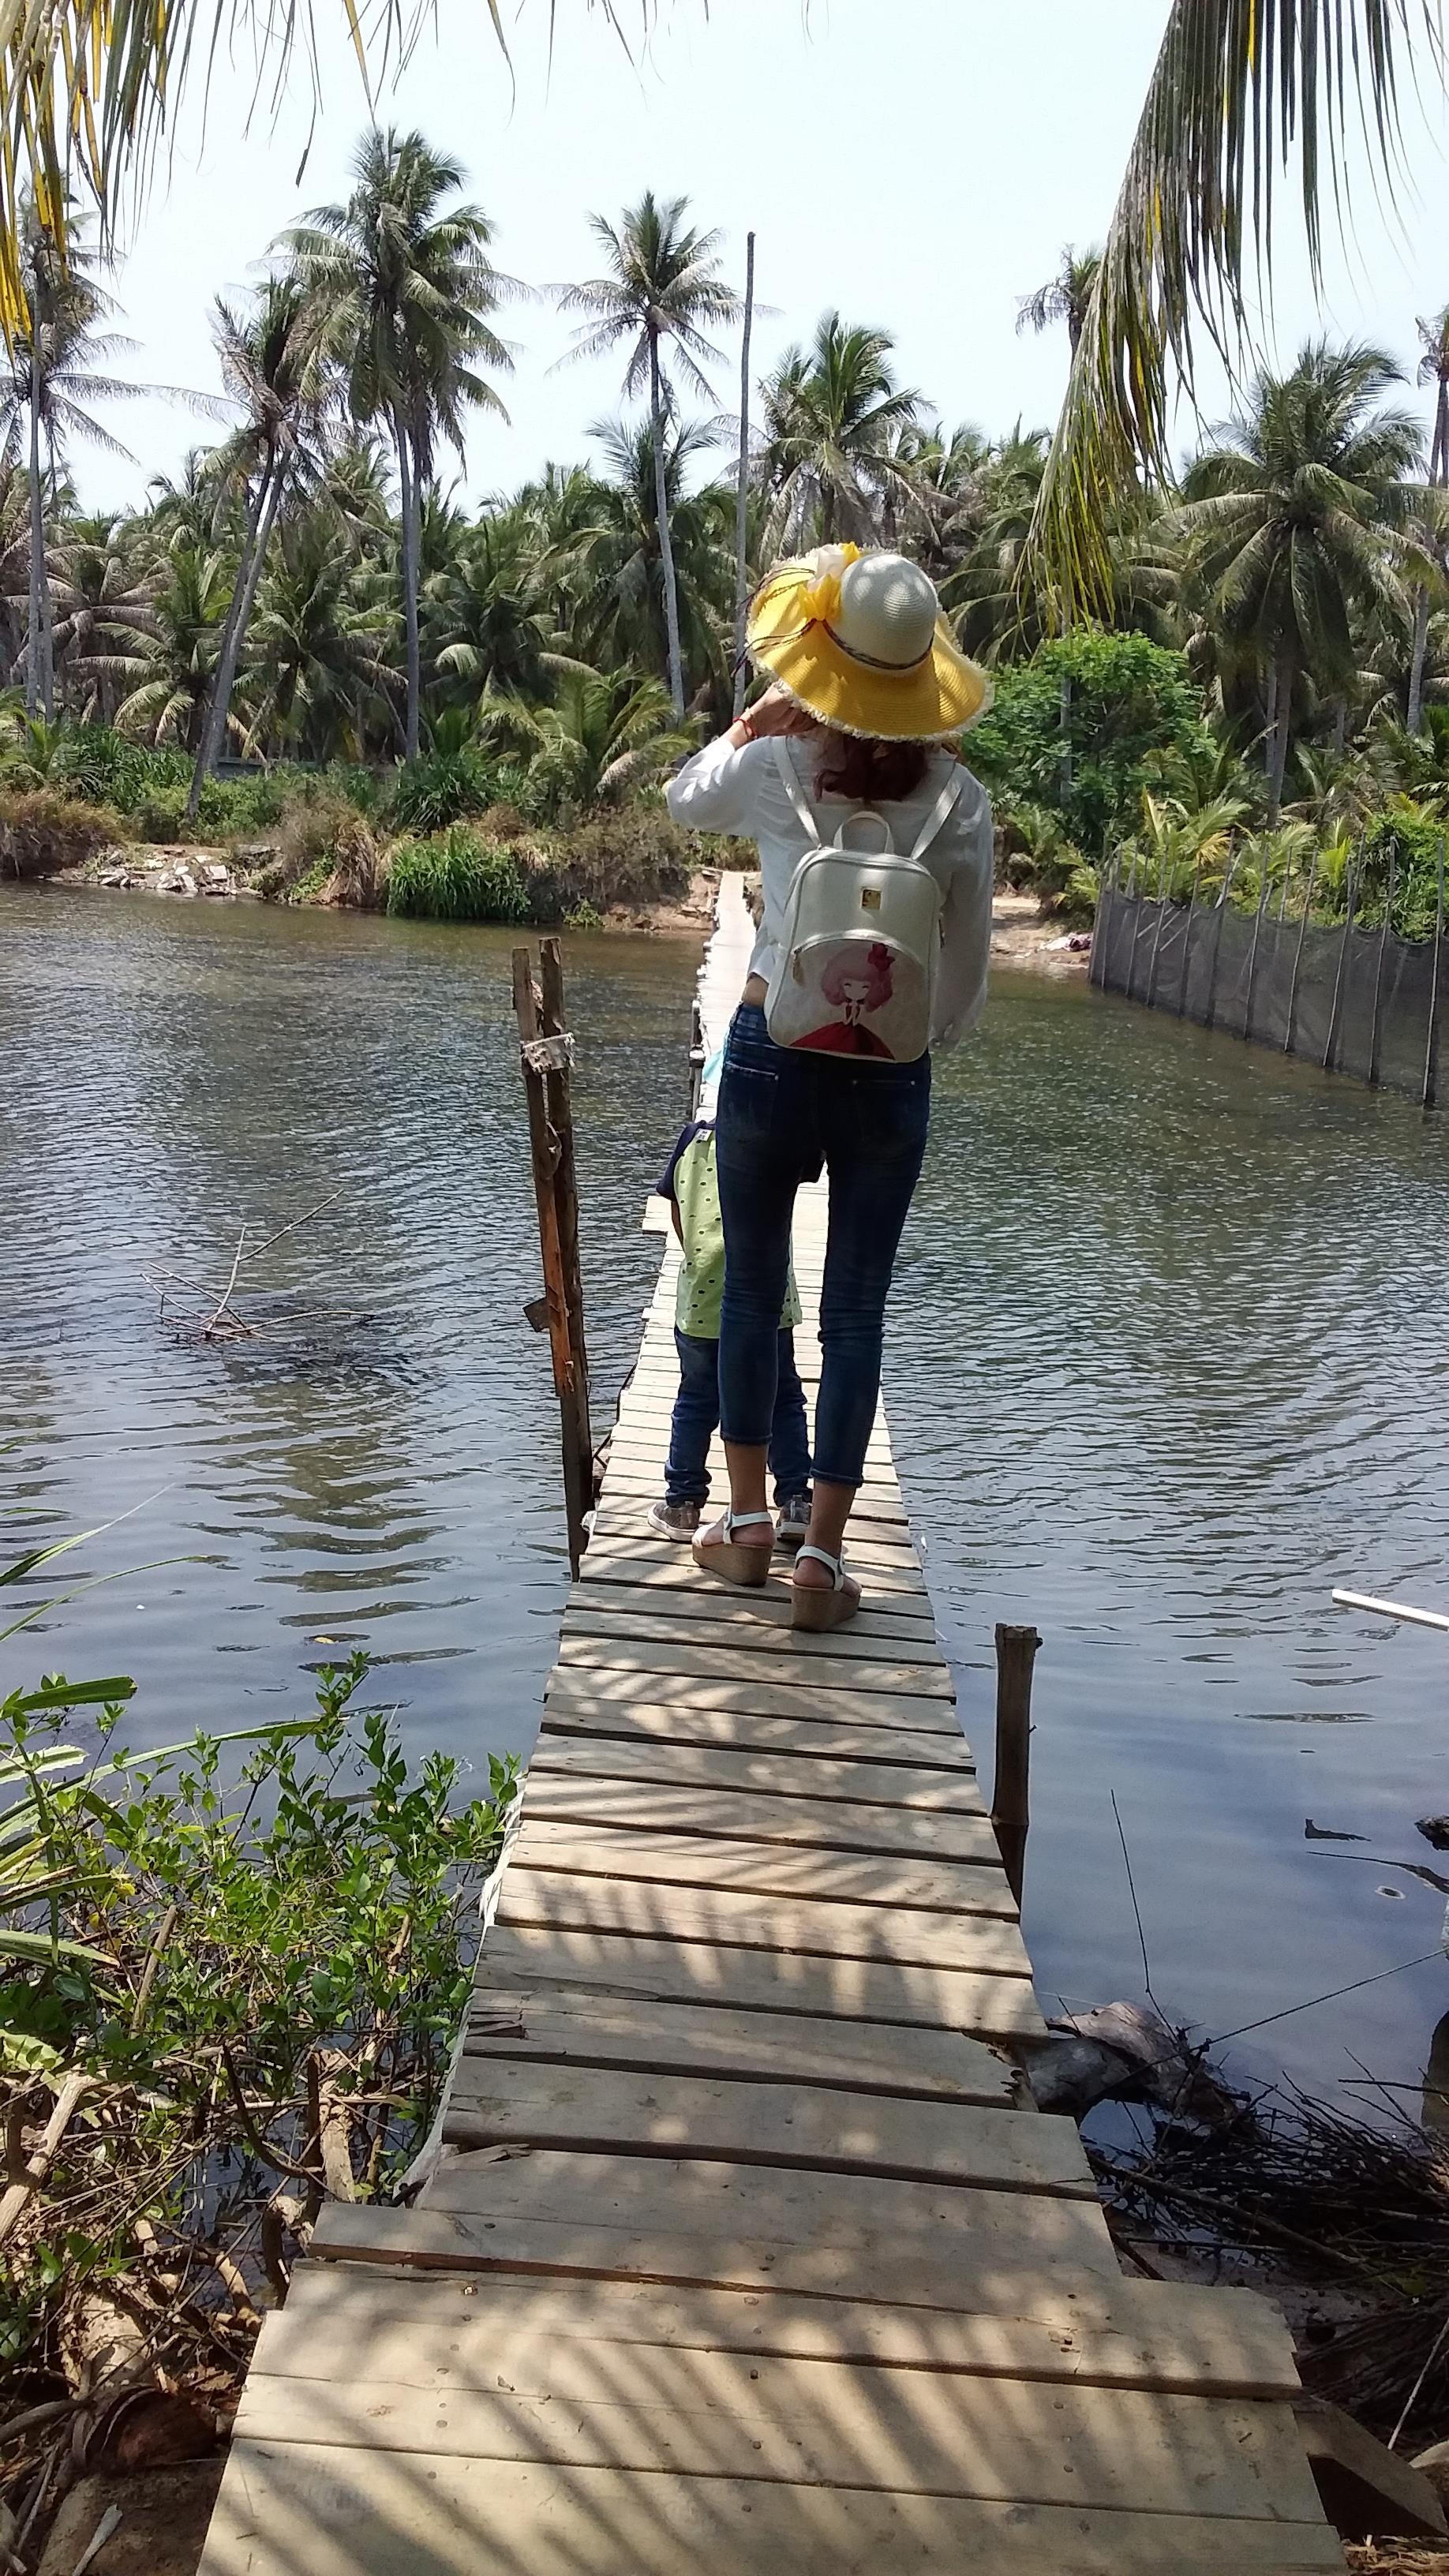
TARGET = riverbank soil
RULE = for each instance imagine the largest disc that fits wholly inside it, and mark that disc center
(1022, 936)
(164, 2515)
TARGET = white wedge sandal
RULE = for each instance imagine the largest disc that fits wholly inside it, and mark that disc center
(811, 1606)
(722, 1556)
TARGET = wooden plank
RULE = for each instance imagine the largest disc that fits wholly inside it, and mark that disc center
(810, 2424)
(869, 1784)
(664, 1566)
(1184, 2341)
(755, 2227)
(844, 1673)
(767, 1869)
(573, 1712)
(426, 2514)
(876, 1509)
(827, 1824)
(704, 2039)
(703, 1605)
(828, 1989)
(782, 1698)
(729, 1918)
(506, 2102)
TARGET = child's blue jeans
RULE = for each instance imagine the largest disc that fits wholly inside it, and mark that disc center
(696, 1413)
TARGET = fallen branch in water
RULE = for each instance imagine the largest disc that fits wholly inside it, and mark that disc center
(223, 1322)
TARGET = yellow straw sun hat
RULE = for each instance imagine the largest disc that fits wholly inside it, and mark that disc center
(859, 641)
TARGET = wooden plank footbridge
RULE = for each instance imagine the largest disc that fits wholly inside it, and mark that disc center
(747, 2249)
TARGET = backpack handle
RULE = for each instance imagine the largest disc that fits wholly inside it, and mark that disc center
(868, 814)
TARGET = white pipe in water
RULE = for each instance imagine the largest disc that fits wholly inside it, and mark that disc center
(1391, 1609)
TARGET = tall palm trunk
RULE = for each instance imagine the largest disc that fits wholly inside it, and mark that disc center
(1282, 716)
(234, 633)
(1416, 663)
(1439, 461)
(666, 549)
(742, 487)
(411, 547)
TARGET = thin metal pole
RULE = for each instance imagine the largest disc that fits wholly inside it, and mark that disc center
(1298, 953)
(1187, 939)
(742, 488)
(1221, 908)
(1253, 955)
(1331, 1043)
(1373, 1073)
(1431, 1043)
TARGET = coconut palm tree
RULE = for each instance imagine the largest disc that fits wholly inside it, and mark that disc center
(1064, 298)
(661, 287)
(607, 732)
(486, 630)
(53, 374)
(1433, 370)
(315, 678)
(105, 588)
(1300, 516)
(612, 567)
(829, 450)
(400, 293)
(176, 658)
(271, 369)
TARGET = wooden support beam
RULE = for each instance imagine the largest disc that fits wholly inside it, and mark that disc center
(544, 1057)
(1010, 1801)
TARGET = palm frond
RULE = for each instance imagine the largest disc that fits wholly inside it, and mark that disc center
(1240, 88)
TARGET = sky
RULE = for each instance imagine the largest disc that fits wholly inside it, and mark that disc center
(917, 165)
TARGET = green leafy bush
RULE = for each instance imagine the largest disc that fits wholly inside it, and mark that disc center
(439, 788)
(457, 877)
(1078, 728)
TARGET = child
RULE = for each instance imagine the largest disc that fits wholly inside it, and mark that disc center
(690, 1185)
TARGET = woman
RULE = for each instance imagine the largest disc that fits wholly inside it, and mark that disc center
(868, 692)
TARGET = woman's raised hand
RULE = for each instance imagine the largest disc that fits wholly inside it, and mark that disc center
(775, 712)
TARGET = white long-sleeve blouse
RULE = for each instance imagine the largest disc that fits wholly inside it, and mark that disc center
(724, 789)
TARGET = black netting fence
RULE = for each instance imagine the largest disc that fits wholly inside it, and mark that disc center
(1362, 1002)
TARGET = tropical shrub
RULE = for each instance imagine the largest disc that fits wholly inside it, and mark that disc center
(456, 877)
(439, 788)
(631, 858)
(1075, 728)
(43, 831)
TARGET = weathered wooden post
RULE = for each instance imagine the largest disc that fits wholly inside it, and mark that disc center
(1010, 1797)
(545, 1056)
(1431, 1042)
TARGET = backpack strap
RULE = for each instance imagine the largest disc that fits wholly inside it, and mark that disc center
(940, 811)
(793, 788)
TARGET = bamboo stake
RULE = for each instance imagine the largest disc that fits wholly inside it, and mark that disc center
(1187, 939)
(1157, 934)
(1220, 908)
(1016, 1650)
(1431, 1043)
(544, 1060)
(1298, 954)
(1253, 957)
(1373, 1072)
(742, 488)
(1331, 1042)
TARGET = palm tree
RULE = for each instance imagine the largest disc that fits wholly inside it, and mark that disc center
(828, 451)
(400, 289)
(1064, 298)
(176, 659)
(1234, 93)
(609, 731)
(612, 566)
(1298, 517)
(662, 284)
(315, 673)
(270, 368)
(104, 594)
(52, 376)
(1434, 370)
(489, 631)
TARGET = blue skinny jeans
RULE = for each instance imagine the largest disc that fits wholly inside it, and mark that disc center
(784, 1111)
(696, 1412)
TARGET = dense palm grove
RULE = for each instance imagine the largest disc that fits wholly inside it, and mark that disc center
(419, 696)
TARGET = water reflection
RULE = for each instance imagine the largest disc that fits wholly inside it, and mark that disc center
(1167, 1362)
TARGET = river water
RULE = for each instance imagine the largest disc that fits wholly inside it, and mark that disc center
(1168, 1360)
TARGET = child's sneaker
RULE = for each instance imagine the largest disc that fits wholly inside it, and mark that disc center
(675, 1520)
(794, 1520)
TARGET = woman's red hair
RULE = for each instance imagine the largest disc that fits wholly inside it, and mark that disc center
(868, 771)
